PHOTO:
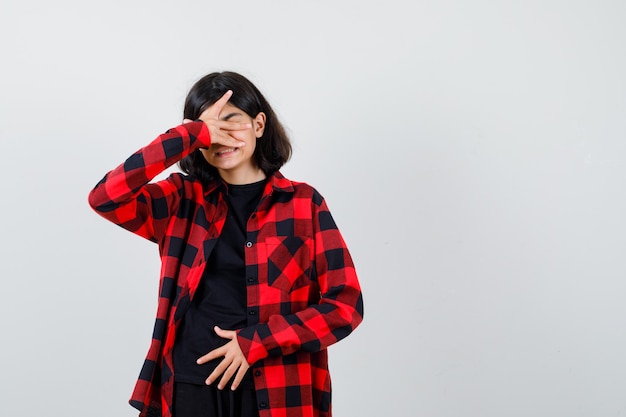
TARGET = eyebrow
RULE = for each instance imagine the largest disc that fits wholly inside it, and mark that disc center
(231, 115)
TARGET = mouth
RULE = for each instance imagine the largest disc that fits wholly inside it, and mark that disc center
(225, 152)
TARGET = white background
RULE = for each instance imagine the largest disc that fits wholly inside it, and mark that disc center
(473, 154)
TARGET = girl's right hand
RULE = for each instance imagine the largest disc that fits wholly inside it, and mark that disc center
(220, 129)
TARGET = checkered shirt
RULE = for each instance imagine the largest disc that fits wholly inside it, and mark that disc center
(302, 290)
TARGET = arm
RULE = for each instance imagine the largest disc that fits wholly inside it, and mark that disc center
(124, 196)
(338, 312)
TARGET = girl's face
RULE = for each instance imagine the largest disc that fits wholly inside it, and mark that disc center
(236, 165)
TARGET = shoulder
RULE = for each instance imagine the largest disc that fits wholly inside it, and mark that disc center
(304, 189)
(300, 190)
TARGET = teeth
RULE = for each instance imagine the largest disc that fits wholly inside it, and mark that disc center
(226, 150)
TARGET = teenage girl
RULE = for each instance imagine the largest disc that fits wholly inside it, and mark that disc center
(256, 280)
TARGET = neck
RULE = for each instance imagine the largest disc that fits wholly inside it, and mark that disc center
(242, 177)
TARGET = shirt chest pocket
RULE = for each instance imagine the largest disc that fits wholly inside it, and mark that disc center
(289, 260)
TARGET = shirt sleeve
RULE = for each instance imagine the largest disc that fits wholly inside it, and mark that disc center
(125, 197)
(338, 313)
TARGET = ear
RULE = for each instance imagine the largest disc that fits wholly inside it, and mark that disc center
(259, 124)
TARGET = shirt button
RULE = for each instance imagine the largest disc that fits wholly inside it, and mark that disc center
(257, 373)
(263, 405)
(252, 312)
(249, 244)
(250, 279)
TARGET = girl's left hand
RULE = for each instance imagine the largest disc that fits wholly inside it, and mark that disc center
(234, 362)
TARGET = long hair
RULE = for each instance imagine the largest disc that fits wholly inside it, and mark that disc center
(272, 150)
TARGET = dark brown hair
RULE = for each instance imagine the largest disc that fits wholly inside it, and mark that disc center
(272, 150)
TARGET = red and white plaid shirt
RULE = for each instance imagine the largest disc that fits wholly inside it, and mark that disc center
(302, 290)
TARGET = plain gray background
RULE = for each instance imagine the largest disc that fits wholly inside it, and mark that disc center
(473, 154)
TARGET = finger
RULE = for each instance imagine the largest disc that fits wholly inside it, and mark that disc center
(225, 334)
(228, 374)
(241, 372)
(219, 370)
(227, 140)
(215, 110)
(187, 121)
(231, 126)
(214, 354)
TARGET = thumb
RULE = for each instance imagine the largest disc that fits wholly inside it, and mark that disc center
(187, 121)
(223, 333)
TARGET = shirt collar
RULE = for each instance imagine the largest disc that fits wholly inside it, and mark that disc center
(279, 183)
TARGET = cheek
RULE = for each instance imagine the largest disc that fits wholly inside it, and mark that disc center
(251, 145)
(248, 138)
(205, 153)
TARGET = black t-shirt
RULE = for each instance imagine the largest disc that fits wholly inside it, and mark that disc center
(220, 299)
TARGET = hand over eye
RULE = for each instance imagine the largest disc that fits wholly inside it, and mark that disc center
(221, 130)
